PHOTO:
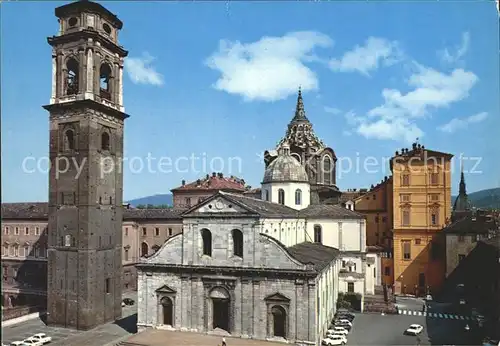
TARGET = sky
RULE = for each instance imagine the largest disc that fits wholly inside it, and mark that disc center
(218, 81)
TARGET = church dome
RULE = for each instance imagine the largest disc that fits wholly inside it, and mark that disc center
(285, 168)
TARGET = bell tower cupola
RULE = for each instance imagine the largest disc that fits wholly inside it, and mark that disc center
(87, 61)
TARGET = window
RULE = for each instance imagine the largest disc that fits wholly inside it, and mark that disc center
(434, 218)
(69, 140)
(374, 197)
(16, 231)
(5, 251)
(418, 241)
(434, 197)
(105, 141)
(108, 285)
(27, 231)
(376, 219)
(169, 232)
(404, 198)
(434, 178)
(405, 217)
(281, 196)
(266, 195)
(237, 243)
(126, 231)
(206, 236)
(350, 287)
(72, 77)
(387, 271)
(73, 241)
(104, 78)
(200, 199)
(461, 238)
(37, 230)
(298, 197)
(157, 231)
(26, 251)
(374, 272)
(327, 170)
(144, 249)
(126, 254)
(406, 249)
(42, 251)
(6, 230)
(144, 231)
(188, 202)
(405, 181)
(384, 219)
(37, 251)
(317, 234)
(16, 250)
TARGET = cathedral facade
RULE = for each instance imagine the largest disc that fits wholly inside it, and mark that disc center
(265, 268)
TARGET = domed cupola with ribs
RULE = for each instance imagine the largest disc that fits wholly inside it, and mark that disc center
(286, 181)
(315, 157)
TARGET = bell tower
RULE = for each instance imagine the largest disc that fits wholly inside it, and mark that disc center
(85, 181)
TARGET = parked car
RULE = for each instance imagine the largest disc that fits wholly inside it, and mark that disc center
(334, 340)
(128, 301)
(343, 321)
(33, 342)
(42, 337)
(338, 329)
(18, 343)
(346, 316)
(414, 329)
(335, 333)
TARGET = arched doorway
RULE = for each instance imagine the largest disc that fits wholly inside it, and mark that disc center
(167, 311)
(144, 249)
(220, 308)
(279, 321)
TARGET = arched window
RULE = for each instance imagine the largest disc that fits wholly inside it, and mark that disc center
(72, 77)
(327, 170)
(281, 196)
(206, 236)
(69, 140)
(317, 234)
(105, 141)
(237, 242)
(104, 79)
(144, 249)
(298, 197)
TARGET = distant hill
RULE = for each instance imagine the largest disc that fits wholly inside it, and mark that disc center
(165, 199)
(484, 199)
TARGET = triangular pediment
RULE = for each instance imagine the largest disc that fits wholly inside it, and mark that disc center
(218, 205)
(165, 289)
(277, 297)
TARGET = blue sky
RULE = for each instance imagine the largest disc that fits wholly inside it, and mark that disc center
(220, 80)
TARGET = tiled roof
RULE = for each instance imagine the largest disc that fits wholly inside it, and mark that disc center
(26, 211)
(329, 211)
(253, 191)
(351, 195)
(316, 254)
(471, 225)
(261, 207)
(216, 181)
(39, 211)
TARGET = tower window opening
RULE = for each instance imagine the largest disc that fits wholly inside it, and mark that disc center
(72, 21)
(105, 141)
(72, 77)
(69, 140)
(105, 76)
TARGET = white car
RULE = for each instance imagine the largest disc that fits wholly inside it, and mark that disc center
(334, 340)
(32, 342)
(344, 321)
(414, 329)
(338, 329)
(42, 337)
(335, 333)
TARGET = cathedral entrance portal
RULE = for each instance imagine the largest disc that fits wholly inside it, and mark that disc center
(220, 309)
(168, 311)
(279, 321)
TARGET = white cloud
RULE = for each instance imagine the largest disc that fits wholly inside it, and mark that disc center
(269, 69)
(454, 55)
(396, 118)
(457, 124)
(375, 52)
(140, 70)
(332, 110)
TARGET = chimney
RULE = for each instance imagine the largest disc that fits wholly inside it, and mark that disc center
(397, 153)
(423, 147)
(243, 181)
(385, 178)
(198, 182)
(354, 190)
(414, 146)
(183, 182)
(214, 174)
(419, 146)
(208, 176)
(402, 150)
(221, 175)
